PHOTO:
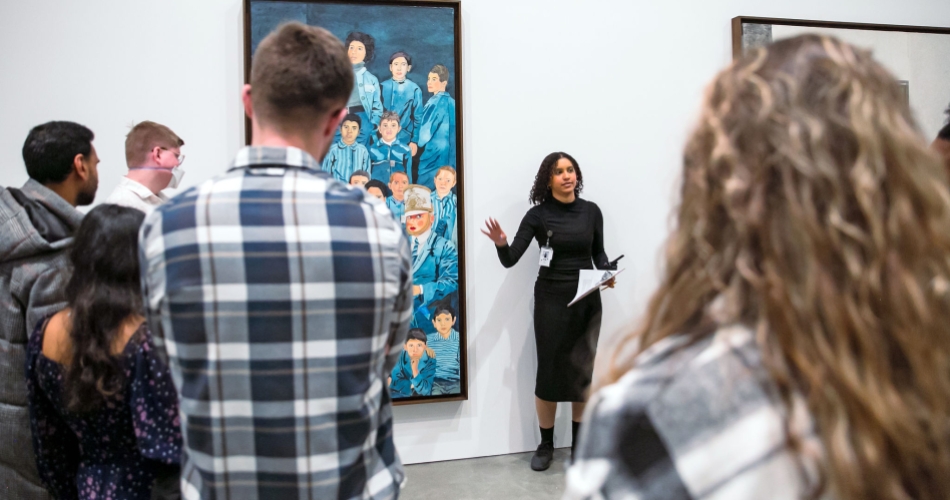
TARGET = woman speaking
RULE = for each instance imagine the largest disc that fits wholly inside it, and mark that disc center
(569, 231)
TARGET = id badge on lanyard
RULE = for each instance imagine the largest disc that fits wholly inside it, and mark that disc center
(547, 253)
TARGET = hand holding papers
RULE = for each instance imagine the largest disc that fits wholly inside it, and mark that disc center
(590, 280)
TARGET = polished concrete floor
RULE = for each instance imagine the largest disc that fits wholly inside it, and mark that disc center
(504, 477)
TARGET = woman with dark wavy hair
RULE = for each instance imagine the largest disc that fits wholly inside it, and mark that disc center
(798, 345)
(103, 409)
(566, 337)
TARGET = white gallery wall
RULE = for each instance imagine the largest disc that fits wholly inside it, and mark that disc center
(616, 83)
(920, 59)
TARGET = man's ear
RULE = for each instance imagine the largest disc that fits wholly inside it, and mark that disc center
(334, 121)
(79, 166)
(246, 99)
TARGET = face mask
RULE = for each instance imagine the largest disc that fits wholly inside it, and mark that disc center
(177, 174)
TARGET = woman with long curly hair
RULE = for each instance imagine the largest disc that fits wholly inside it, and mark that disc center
(103, 409)
(798, 345)
(566, 337)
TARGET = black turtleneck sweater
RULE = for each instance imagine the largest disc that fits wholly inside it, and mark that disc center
(577, 237)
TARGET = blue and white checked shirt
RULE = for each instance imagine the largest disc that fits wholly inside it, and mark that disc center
(284, 298)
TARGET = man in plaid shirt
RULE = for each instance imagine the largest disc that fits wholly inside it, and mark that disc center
(282, 298)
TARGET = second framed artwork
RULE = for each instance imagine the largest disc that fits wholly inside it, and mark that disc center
(402, 140)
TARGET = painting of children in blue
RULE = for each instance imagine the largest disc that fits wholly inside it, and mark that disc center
(445, 343)
(434, 258)
(437, 135)
(445, 205)
(388, 153)
(346, 156)
(400, 141)
(415, 371)
(403, 97)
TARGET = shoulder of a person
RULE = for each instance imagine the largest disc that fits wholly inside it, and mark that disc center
(680, 372)
(536, 210)
(589, 204)
(53, 337)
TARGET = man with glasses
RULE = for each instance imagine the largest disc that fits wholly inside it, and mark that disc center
(153, 154)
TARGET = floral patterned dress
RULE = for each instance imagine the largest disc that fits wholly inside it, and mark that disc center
(116, 451)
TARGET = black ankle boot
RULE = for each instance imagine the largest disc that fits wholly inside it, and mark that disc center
(543, 456)
(545, 453)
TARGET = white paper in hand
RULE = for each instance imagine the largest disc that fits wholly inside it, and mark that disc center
(590, 280)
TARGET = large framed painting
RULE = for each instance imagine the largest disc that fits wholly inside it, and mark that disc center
(915, 55)
(402, 141)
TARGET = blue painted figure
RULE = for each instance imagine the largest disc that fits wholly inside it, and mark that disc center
(365, 99)
(445, 205)
(388, 155)
(434, 258)
(402, 96)
(346, 156)
(437, 134)
(398, 182)
(446, 344)
(415, 372)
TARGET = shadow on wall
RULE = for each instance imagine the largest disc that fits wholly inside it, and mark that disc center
(511, 316)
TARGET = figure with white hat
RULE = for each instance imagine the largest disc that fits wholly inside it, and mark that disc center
(434, 258)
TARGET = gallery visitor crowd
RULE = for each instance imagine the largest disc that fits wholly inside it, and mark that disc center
(245, 338)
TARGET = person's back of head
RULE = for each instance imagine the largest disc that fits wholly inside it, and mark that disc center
(812, 211)
(301, 79)
(103, 293)
(60, 155)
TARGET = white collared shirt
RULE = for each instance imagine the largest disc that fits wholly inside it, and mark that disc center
(135, 195)
(422, 238)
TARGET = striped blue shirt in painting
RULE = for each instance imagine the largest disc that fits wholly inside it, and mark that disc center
(283, 299)
(342, 160)
(445, 211)
(398, 208)
(447, 360)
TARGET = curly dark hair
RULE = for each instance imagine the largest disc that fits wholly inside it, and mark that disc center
(367, 40)
(541, 191)
(103, 292)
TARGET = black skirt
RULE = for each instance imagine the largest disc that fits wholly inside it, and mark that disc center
(566, 339)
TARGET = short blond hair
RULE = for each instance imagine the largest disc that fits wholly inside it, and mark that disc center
(144, 137)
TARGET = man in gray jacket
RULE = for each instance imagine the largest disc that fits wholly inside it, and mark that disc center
(37, 222)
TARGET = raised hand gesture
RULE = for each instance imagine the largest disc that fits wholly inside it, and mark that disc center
(495, 233)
